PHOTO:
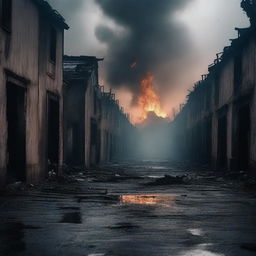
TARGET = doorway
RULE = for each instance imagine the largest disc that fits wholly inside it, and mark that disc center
(244, 124)
(222, 141)
(53, 132)
(93, 147)
(16, 141)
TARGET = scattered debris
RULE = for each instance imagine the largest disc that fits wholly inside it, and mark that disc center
(98, 198)
(15, 186)
(72, 208)
(52, 174)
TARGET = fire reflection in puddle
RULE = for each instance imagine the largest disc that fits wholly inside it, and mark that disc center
(149, 199)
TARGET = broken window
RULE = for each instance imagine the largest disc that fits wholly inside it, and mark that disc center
(53, 45)
(6, 14)
(237, 72)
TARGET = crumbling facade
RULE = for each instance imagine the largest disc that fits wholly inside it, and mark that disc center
(31, 80)
(94, 124)
(217, 124)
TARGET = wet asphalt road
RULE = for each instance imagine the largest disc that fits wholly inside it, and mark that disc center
(112, 212)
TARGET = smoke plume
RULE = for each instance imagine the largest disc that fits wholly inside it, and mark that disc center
(151, 40)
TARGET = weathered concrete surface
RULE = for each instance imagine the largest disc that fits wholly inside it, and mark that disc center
(112, 212)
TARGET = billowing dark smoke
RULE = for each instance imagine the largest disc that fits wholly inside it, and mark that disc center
(152, 42)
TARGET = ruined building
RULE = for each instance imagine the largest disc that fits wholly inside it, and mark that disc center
(95, 127)
(218, 122)
(46, 121)
(31, 81)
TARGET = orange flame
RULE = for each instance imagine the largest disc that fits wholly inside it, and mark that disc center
(149, 101)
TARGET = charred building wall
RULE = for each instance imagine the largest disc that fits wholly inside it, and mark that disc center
(217, 124)
(94, 124)
(31, 49)
(116, 130)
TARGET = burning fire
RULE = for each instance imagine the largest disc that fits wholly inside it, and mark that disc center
(149, 101)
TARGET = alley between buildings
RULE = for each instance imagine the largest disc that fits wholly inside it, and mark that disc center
(72, 176)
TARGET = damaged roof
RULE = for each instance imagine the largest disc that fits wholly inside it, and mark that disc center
(79, 67)
(236, 46)
(52, 14)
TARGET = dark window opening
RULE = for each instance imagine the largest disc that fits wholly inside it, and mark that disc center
(16, 143)
(95, 143)
(76, 145)
(237, 73)
(6, 15)
(53, 45)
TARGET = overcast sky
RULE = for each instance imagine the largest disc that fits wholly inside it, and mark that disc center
(175, 40)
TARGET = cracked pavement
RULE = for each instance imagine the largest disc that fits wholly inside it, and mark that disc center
(117, 211)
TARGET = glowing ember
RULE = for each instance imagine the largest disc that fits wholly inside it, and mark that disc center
(149, 101)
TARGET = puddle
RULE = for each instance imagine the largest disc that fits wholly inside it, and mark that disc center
(98, 198)
(249, 247)
(154, 176)
(72, 217)
(124, 225)
(149, 199)
(12, 238)
(70, 208)
(97, 254)
(196, 232)
(201, 250)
